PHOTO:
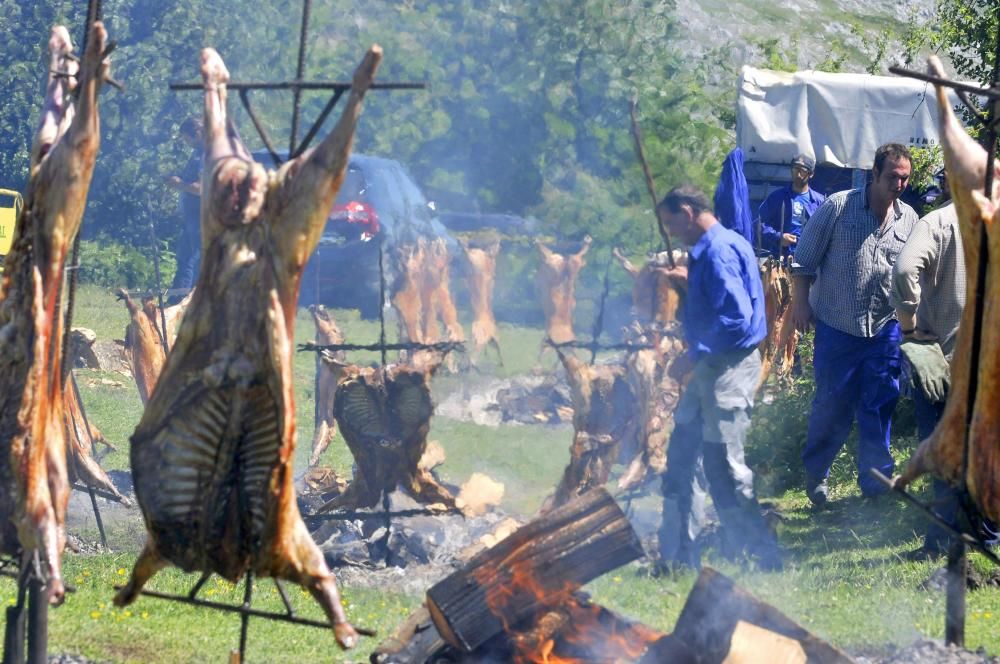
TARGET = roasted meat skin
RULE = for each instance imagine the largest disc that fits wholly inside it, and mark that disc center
(212, 454)
(777, 350)
(653, 296)
(482, 263)
(34, 487)
(329, 369)
(943, 452)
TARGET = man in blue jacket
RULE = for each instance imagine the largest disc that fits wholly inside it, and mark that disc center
(786, 209)
(723, 324)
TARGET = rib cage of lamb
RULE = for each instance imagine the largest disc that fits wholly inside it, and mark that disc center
(212, 455)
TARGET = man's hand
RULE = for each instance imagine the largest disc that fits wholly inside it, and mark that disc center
(788, 239)
(802, 313)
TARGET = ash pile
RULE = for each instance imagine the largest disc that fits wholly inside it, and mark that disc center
(539, 399)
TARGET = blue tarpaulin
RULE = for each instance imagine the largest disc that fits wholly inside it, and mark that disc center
(732, 197)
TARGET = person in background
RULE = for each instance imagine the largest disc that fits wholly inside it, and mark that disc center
(928, 293)
(723, 325)
(842, 271)
(785, 210)
(188, 183)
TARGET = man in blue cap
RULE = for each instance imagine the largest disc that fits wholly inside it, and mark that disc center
(723, 325)
(786, 209)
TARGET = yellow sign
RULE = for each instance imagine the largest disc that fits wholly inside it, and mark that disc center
(8, 218)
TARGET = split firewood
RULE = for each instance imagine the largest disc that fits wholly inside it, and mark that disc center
(655, 297)
(384, 416)
(329, 370)
(556, 281)
(212, 455)
(34, 483)
(482, 263)
(943, 453)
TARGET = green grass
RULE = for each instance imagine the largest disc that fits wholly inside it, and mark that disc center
(844, 577)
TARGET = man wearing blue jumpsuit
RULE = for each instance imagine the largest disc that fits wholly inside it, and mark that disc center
(785, 210)
(723, 324)
(842, 272)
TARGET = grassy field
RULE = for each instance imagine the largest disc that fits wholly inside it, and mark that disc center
(845, 578)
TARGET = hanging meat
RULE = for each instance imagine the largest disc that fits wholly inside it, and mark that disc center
(943, 452)
(440, 305)
(34, 488)
(482, 262)
(329, 369)
(406, 292)
(556, 282)
(145, 337)
(384, 415)
(777, 350)
(81, 440)
(654, 297)
(212, 454)
(603, 422)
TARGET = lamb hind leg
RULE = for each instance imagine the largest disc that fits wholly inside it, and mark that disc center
(221, 138)
(57, 111)
(148, 564)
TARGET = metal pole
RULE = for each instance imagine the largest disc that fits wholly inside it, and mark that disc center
(13, 642)
(245, 617)
(299, 72)
(38, 614)
(954, 620)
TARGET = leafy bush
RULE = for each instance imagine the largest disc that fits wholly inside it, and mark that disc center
(111, 264)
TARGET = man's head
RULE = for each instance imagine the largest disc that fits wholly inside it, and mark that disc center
(686, 213)
(191, 131)
(891, 171)
(803, 167)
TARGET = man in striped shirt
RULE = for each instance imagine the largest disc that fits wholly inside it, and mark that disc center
(842, 271)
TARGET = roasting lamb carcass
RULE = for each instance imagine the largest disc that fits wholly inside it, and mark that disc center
(556, 281)
(654, 297)
(384, 415)
(483, 271)
(34, 488)
(329, 369)
(144, 343)
(777, 350)
(212, 455)
(942, 453)
(81, 438)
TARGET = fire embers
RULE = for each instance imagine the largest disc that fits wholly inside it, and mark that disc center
(384, 415)
(777, 350)
(944, 452)
(556, 282)
(34, 487)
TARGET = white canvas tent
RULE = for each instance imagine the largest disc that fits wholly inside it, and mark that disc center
(840, 119)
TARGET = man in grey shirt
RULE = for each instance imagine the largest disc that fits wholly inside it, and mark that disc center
(842, 272)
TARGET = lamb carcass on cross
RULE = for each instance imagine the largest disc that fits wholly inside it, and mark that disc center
(482, 263)
(329, 370)
(654, 297)
(212, 454)
(556, 280)
(943, 452)
(34, 487)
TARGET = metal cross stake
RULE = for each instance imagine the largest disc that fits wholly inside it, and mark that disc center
(957, 552)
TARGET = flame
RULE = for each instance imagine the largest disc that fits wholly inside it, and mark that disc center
(565, 629)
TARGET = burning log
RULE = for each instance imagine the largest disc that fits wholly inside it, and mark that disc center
(329, 371)
(777, 350)
(536, 568)
(714, 622)
(556, 281)
(655, 299)
(34, 486)
(483, 270)
(384, 415)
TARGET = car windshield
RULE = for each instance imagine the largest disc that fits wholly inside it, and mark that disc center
(353, 188)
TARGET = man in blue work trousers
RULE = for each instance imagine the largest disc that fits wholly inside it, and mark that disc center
(842, 271)
(723, 324)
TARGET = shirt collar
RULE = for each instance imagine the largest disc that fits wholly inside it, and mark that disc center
(705, 240)
(897, 211)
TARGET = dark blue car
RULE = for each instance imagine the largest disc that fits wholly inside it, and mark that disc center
(379, 204)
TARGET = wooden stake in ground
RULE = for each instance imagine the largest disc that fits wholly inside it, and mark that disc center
(537, 566)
